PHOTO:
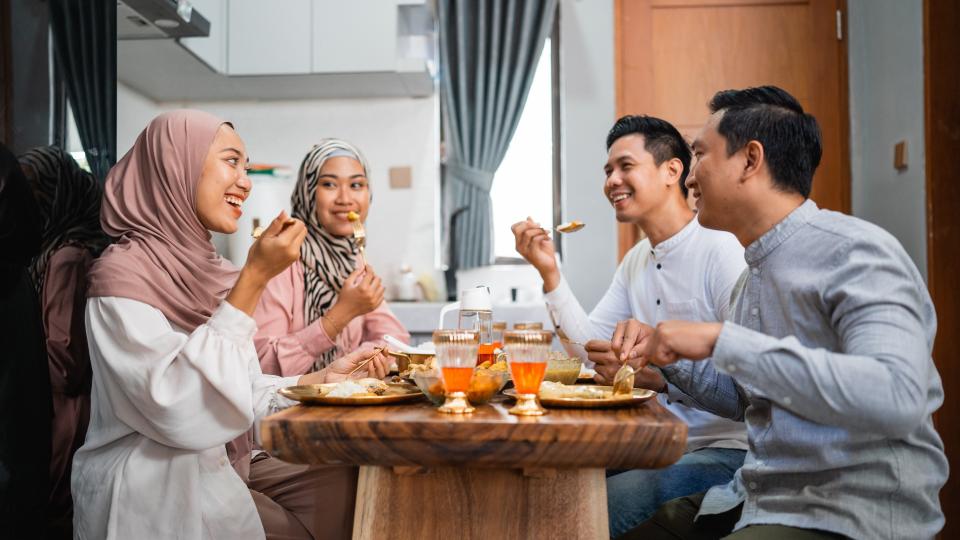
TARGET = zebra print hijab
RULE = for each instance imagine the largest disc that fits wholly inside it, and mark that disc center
(327, 259)
(69, 202)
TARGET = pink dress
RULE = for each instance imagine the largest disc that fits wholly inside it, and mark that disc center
(288, 346)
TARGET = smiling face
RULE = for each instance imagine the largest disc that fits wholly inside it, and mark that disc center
(341, 188)
(715, 177)
(635, 184)
(224, 184)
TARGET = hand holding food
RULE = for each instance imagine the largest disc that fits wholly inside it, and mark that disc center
(362, 293)
(277, 248)
(535, 245)
(341, 368)
(674, 340)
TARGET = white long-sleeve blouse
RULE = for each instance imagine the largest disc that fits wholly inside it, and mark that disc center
(163, 404)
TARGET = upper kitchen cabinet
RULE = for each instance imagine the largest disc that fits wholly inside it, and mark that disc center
(212, 50)
(356, 36)
(283, 49)
(269, 38)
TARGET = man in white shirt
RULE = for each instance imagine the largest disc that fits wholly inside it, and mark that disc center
(679, 271)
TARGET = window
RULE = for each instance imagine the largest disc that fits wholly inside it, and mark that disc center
(526, 183)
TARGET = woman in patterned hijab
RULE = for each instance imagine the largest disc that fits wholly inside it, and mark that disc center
(324, 304)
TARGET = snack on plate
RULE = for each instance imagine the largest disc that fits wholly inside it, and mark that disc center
(553, 390)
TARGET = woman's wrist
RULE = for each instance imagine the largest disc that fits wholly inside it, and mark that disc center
(336, 321)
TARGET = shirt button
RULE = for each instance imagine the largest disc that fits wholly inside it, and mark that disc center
(754, 311)
(753, 485)
(754, 270)
(731, 368)
(658, 301)
(659, 266)
(787, 401)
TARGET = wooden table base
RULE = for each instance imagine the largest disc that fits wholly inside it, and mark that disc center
(452, 503)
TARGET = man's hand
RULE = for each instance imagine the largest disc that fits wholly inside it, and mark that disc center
(534, 244)
(674, 340)
(606, 364)
(627, 335)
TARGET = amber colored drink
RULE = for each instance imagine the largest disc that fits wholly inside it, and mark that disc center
(457, 379)
(527, 376)
(487, 353)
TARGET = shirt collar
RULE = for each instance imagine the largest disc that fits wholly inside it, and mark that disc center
(663, 248)
(763, 246)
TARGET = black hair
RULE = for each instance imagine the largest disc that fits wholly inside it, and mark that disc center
(660, 138)
(775, 119)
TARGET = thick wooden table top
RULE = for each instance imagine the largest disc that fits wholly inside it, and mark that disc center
(415, 434)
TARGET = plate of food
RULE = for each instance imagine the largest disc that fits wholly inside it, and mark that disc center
(367, 391)
(585, 396)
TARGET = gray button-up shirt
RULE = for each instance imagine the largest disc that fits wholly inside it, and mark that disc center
(827, 359)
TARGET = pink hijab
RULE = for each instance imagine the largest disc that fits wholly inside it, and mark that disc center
(162, 255)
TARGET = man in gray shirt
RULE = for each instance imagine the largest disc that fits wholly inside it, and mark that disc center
(827, 356)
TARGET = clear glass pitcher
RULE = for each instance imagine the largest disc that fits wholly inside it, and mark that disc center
(475, 312)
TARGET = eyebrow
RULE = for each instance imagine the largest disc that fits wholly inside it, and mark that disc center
(619, 159)
(329, 175)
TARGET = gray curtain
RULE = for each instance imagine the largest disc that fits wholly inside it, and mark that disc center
(488, 53)
(85, 42)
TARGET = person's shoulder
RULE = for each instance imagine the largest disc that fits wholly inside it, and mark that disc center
(639, 252)
(718, 244)
(842, 234)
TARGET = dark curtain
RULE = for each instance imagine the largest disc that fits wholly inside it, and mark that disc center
(85, 45)
(488, 53)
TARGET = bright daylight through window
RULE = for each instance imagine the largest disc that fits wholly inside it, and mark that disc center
(523, 185)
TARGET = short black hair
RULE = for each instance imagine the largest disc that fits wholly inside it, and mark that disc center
(660, 138)
(775, 119)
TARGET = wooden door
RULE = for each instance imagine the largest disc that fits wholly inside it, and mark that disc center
(673, 55)
(941, 49)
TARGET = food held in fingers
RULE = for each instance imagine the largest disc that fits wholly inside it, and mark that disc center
(571, 227)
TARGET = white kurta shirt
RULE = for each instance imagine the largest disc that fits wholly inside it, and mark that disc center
(164, 403)
(688, 276)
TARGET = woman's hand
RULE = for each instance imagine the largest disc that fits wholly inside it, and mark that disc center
(277, 248)
(362, 292)
(339, 369)
(274, 251)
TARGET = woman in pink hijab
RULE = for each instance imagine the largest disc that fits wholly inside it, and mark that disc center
(170, 331)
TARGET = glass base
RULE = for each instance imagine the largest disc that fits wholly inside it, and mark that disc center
(456, 404)
(527, 405)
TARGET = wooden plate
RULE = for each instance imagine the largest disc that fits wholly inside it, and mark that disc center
(639, 396)
(316, 394)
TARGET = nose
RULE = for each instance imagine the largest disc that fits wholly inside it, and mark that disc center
(613, 182)
(343, 194)
(244, 182)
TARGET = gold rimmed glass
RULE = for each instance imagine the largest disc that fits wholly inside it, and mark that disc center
(456, 356)
(528, 325)
(527, 353)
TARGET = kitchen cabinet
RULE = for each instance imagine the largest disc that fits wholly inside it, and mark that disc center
(211, 50)
(353, 38)
(269, 38)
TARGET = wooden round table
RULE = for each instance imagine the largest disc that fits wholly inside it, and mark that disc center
(486, 475)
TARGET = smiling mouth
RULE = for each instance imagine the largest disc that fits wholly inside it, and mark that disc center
(617, 197)
(234, 201)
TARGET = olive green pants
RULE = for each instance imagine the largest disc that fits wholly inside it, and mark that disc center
(675, 520)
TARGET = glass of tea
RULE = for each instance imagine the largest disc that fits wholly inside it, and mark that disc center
(527, 353)
(456, 357)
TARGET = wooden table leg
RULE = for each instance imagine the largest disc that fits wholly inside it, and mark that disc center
(450, 503)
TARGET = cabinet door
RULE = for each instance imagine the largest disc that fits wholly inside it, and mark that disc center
(269, 38)
(213, 48)
(355, 36)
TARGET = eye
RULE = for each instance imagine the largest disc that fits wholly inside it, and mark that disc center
(233, 161)
(328, 184)
(358, 185)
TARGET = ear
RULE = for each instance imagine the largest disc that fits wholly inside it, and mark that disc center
(674, 169)
(755, 159)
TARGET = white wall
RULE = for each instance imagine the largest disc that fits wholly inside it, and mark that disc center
(391, 132)
(886, 105)
(587, 113)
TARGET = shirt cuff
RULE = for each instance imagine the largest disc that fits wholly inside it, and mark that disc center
(283, 382)
(232, 323)
(314, 339)
(561, 295)
(738, 351)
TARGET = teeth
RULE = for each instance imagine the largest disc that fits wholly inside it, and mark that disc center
(620, 197)
(236, 201)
